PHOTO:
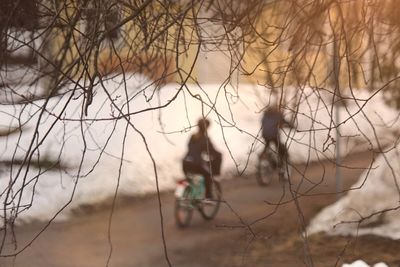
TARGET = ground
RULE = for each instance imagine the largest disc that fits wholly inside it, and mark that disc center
(249, 230)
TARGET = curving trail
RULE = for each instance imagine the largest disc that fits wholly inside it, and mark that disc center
(273, 239)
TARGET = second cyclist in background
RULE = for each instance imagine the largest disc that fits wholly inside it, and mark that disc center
(272, 122)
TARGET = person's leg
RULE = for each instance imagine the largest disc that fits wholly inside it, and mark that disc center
(266, 146)
(283, 157)
(216, 163)
(208, 183)
(280, 148)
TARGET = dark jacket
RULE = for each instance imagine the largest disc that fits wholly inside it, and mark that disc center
(271, 123)
(198, 147)
(201, 152)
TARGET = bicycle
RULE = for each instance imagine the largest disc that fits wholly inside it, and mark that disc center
(189, 195)
(268, 163)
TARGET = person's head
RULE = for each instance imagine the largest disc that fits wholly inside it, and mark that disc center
(203, 124)
(272, 108)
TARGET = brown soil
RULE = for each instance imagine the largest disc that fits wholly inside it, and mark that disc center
(250, 230)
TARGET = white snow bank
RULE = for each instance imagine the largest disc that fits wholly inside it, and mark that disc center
(360, 263)
(234, 113)
(71, 142)
(377, 190)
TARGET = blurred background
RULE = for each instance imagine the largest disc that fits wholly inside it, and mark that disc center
(99, 100)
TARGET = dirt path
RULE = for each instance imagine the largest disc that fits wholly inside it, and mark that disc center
(134, 238)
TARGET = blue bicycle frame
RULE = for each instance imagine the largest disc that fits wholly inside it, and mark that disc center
(196, 183)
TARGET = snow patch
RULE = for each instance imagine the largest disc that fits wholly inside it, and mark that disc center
(360, 263)
(90, 174)
(359, 212)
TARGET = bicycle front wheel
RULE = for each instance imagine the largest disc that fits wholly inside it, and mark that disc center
(184, 209)
(209, 209)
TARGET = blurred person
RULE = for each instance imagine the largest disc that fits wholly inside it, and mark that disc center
(202, 157)
(272, 122)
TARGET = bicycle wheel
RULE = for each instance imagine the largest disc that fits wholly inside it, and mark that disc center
(264, 171)
(209, 209)
(184, 209)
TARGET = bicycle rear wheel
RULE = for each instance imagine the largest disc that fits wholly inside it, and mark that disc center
(264, 171)
(184, 209)
(209, 209)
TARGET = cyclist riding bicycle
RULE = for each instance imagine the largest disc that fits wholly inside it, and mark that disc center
(272, 122)
(202, 157)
